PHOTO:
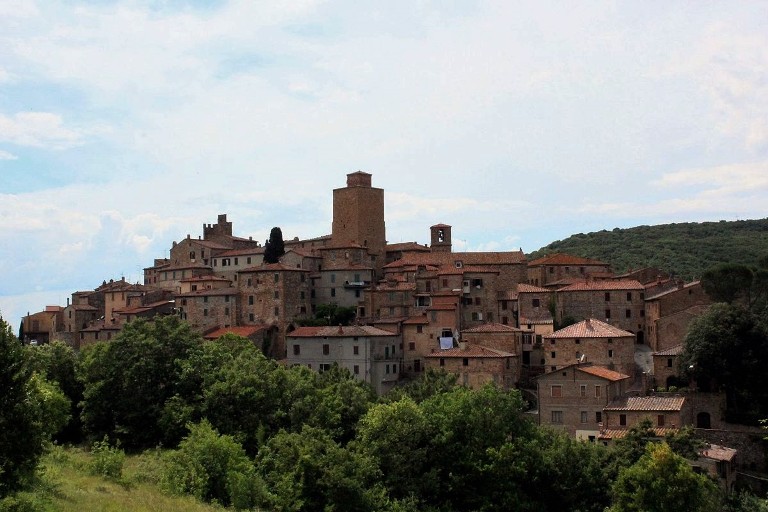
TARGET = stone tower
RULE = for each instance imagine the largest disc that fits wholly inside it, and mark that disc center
(440, 238)
(358, 216)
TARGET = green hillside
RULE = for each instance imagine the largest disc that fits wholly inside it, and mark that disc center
(684, 250)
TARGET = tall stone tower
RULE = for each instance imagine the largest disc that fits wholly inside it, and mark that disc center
(440, 236)
(358, 216)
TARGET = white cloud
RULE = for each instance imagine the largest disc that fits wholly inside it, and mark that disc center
(38, 129)
(5, 155)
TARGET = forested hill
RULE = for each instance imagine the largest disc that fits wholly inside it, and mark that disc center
(684, 250)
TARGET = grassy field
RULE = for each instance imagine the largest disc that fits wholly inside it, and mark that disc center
(66, 484)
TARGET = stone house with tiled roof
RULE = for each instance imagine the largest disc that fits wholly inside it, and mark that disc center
(620, 303)
(593, 341)
(477, 365)
(209, 308)
(572, 398)
(665, 367)
(663, 411)
(372, 355)
(668, 313)
(558, 267)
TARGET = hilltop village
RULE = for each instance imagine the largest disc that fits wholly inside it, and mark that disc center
(585, 345)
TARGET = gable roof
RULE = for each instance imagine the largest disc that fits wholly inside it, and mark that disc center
(590, 328)
(469, 351)
(243, 330)
(529, 288)
(646, 403)
(600, 285)
(559, 258)
(674, 351)
(491, 328)
(339, 331)
(601, 371)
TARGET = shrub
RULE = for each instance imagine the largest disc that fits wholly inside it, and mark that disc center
(213, 467)
(107, 460)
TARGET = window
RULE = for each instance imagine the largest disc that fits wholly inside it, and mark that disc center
(556, 391)
(557, 417)
(598, 417)
(607, 296)
(324, 367)
(250, 317)
(465, 362)
(356, 370)
(553, 355)
(478, 301)
(326, 349)
(536, 303)
(333, 292)
(623, 420)
(607, 314)
(477, 283)
(250, 300)
(597, 391)
(445, 283)
(205, 312)
(205, 299)
(442, 362)
(628, 313)
(301, 295)
(226, 311)
(387, 369)
(277, 277)
(356, 350)
(610, 353)
(394, 368)
(577, 341)
(583, 390)
(296, 350)
(333, 278)
(669, 363)
(584, 416)
(419, 329)
(629, 296)
(236, 262)
(660, 420)
(411, 346)
(277, 310)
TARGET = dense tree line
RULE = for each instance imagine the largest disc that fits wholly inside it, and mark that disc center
(684, 250)
(244, 431)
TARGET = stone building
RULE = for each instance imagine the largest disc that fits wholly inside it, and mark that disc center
(372, 355)
(665, 367)
(433, 329)
(669, 412)
(593, 341)
(476, 365)
(668, 313)
(41, 327)
(207, 309)
(572, 398)
(558, 267)
(618, 302)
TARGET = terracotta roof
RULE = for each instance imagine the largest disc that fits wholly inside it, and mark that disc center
(466, 258)
(407, 246)
(564, 259)
(206, 243)
(306, 253)
(83, 307)
(674, 351)
(242, 330)
(209, 277)
(315, 239)
(646, 403)
(620, 433)
(241, 252)
(273, 267)
(619, 284)
(717, 452)
(590, 328)
(338, 331)
(417, 320)
(491, 327)
(543, 316)
(673, 290)
(600, 371)
(442, 307)
(209, 292)
(529, 288)
(471, 351)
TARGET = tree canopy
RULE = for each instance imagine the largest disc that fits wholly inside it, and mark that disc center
(274, 248)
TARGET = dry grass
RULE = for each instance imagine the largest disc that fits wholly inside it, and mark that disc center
(66, 485)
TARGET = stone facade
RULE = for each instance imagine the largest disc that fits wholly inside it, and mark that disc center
(370, 354)
(557, 268)
(476, 365)
(619, 303)
(591, 341)
(668, 313)
(572, 398)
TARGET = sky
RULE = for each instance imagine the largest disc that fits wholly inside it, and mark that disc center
(126, 125)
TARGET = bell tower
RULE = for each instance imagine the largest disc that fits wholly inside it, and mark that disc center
(440, 236)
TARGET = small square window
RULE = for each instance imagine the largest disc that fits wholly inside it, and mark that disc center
(326, 349)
